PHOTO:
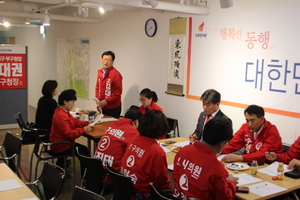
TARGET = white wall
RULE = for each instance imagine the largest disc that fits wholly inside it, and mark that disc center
(141, 60)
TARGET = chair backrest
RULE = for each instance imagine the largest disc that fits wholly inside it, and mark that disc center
(123, 188)
(20, 120)
(12, 147)
(28, 137)
(93, 174)
(52, 181)
(160, 195)
(84, 194)
(285, 147)
(173, 127)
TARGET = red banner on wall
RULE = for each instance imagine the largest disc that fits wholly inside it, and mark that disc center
(13, 63)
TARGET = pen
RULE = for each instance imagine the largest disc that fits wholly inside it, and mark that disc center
(262, 185)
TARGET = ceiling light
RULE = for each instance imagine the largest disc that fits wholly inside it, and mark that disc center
(42, 30)
(101, 9)
(46, 21)
(226, 3)
(27, 20)
(152, 3)
(6, 24)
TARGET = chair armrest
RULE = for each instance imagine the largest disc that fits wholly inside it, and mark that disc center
(31, 183)
(55, 143)
(8, 158)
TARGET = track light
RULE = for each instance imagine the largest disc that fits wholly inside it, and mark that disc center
(80, 9)
(46, 21)
(27, 20)
(226, 3)
(152, 3)
(85, 12)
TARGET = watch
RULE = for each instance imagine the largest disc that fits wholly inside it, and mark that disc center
(150, 27)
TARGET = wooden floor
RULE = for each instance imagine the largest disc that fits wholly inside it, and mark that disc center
(25, 161)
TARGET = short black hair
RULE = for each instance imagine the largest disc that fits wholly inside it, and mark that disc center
(217, 130)
(211, 95)
(109, 53)
(133, 114)
(48, 88)
(153, 124)
(255, 109)
(67, 95)
(149, 94)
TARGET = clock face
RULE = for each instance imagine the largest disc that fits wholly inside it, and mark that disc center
(150, 27)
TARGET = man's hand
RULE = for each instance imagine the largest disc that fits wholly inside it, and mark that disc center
(232, 158)
(192, 137)
(88, 128)
(271, 156)
(294, 163)
(102, 103)
(233, 179)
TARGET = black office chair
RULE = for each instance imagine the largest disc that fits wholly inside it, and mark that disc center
(160, 195)
(93, 174)
(12, 146)
(40, 150)
(285, 147)
(26, 134)
(173, 128)
(50, 182)
(84, 194)
(123, 188)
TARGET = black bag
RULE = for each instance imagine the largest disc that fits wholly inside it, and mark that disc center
(293, 174)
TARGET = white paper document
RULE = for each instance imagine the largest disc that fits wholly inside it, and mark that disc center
(98, 118)
(171, 167)
(9, 185)
(265, 188)
(164, 148)
(95, 99)
(246, 179)
(221, 156)
(272, 169)
(182, 144)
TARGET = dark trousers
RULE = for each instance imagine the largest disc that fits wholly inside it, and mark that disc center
(114, 112)
(82, 149)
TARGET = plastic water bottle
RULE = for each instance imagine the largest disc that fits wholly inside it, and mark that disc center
(254, 167)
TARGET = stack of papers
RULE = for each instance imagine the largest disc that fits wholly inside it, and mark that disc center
(246, 179)
(265, 188)
(272, 169)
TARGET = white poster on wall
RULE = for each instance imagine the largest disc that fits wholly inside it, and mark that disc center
(250, 58)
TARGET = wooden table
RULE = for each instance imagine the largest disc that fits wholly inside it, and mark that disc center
(97, 132)
(287, 183)
(15, 194)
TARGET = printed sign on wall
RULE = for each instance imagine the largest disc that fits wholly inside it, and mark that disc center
(13, 64)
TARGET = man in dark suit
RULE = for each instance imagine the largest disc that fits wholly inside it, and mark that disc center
(210, 102)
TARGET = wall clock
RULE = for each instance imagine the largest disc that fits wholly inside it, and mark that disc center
(150, 27)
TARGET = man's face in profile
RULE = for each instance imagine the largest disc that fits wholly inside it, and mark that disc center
(209, 107)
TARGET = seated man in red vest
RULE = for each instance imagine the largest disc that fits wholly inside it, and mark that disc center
(256, 136)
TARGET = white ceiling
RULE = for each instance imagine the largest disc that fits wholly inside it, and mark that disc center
(68, 10)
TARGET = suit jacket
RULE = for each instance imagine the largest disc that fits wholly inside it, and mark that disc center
(201, 120)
